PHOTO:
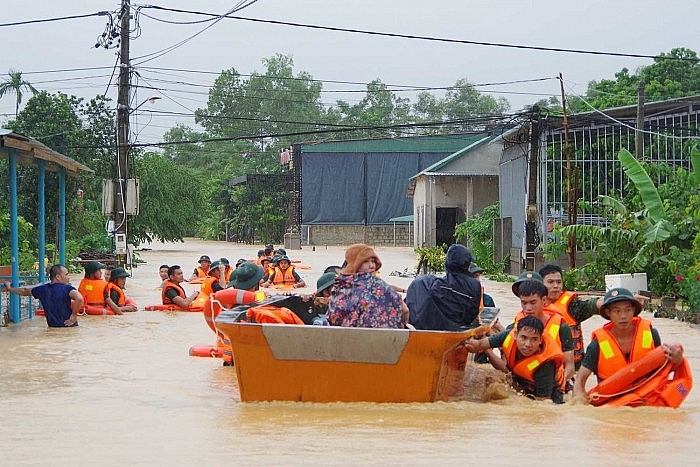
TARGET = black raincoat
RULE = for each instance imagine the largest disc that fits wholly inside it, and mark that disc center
(447, 303)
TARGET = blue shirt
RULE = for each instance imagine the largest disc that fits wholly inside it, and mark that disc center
(55, 299)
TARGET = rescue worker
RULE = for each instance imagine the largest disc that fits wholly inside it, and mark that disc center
(625, 339)
(215, 280)
(531, 293)
(534, 359)
(285, 275)
(92, 286)
(266, 264)
(202, 269)
(568, 306)
(114, 292)
(227, 269)
(173, 293)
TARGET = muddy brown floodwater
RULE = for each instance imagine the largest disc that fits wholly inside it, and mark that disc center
(122, 390)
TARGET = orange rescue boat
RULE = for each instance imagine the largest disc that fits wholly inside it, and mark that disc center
(328, 363)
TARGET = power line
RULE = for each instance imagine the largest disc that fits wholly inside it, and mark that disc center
(154, 55)
(429, 38)
(463, 121)
(61, 18)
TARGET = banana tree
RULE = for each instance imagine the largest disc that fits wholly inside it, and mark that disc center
(638, 238)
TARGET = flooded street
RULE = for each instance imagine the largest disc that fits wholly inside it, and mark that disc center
(122, 390)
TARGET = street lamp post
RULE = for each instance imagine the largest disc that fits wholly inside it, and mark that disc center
(122, 177)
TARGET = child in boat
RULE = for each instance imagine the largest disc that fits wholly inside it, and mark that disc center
(114, 292)
(362, 299)
(625, 339)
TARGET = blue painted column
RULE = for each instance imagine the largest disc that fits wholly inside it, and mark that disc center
(62, 217)
(14, 237)
(41, 190)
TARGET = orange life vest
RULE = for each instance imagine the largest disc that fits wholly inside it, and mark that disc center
(201, 272)
(610, 356)
(108, 291)
(227, 274)
(274, 315)
(561, 307)
(92, 291)
(167, 285)
(525, 367)
(207, 284)
(551, 327)
(284, 277)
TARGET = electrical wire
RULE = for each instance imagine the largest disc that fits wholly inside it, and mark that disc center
(621, 123)
(49, 20)
(469, 120)
(429, 38)
(154, 55)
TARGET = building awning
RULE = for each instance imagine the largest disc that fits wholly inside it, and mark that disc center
(30, 151)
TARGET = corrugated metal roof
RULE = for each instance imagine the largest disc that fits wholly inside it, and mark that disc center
(31, 150)
(433, 144)
(454, 156)
(408, 218)
(432, 170)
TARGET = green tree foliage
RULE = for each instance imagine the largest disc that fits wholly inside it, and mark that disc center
(26, 236)
(380, 107)
(477, 233)
(81, 131)
(274, 102)
(171, 200)
(463, 101)
(664, 79)
(656, 230)
(16, 85)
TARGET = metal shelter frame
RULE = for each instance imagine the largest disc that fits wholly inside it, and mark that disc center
(20, 149)
(670, 128)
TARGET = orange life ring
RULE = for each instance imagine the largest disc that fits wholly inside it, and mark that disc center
(647, 381)
(212, 351)
(167, 308)
(97, 310)
(227, 298)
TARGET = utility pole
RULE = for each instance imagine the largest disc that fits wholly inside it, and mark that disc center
(638, 135)
(531, 208)
(122, 165)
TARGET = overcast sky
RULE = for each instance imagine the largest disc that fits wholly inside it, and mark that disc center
(637, 27)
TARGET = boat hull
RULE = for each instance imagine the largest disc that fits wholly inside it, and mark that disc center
(335, 364)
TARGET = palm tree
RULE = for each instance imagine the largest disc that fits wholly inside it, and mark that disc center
(15, 85)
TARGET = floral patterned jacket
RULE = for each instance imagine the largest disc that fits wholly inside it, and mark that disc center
(364, 300)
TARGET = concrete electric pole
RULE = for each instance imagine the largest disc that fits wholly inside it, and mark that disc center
(122, 165)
